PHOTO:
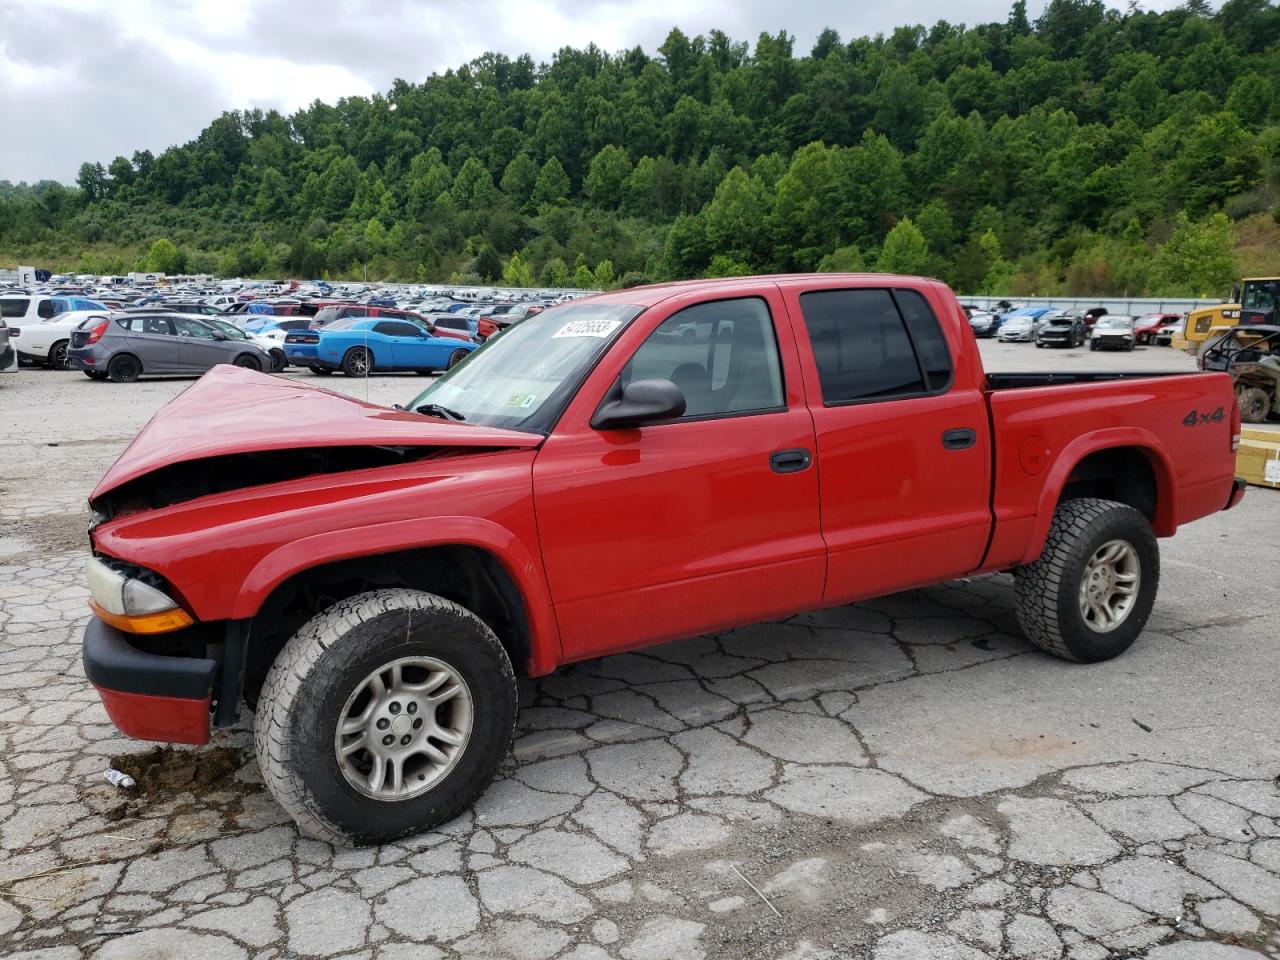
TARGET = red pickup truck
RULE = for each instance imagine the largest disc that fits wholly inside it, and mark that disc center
(640, 466)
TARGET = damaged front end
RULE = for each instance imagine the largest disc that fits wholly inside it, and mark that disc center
(238, 469)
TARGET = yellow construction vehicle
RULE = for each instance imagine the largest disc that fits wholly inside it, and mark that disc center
(1253, 300)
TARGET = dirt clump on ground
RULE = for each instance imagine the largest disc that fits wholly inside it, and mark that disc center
(163, 771)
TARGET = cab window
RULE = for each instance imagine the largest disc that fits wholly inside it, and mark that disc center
(722, 355)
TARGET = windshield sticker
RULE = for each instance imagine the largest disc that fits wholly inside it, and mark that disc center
(586, 328)
(523, 400)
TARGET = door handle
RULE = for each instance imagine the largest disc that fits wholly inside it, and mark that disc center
(790, 461)
(961, 438)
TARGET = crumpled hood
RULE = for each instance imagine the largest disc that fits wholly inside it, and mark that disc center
(232, 410)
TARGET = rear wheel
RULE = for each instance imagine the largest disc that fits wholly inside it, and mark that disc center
(456, 358)
(95, 374)
(1089, 594)
(278, 361)
(59, 355)
(357, 363)
(385, 715)
(248, 361)
(1093, 344)
(1254, 403)
(321, 371)
(124, 368)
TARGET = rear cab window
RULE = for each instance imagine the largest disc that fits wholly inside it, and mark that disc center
(872, 344)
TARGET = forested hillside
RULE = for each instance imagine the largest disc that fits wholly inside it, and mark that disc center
(1090, 151)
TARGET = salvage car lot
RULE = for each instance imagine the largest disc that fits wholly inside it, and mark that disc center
(905, 775)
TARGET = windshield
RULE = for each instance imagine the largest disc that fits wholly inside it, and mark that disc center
(1260, 297)
(230, 329)
(1114, 321)
(522, 378)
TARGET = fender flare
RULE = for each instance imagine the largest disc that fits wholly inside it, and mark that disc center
(350, 543)
(1140, 439)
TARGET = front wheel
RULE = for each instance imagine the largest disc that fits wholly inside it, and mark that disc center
(1254, 404)
(249, 362)
(385, 715)
(1089, 594)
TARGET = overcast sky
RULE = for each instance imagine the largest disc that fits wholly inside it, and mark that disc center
(91, 79)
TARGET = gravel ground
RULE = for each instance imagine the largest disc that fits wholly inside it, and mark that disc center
(899, 779)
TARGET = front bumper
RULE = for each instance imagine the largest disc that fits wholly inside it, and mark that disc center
(1024, 336)
(1112, 343)
(149, 696)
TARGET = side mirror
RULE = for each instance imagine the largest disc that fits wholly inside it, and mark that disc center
(1235, 293)
(641, 402)
(219, 335)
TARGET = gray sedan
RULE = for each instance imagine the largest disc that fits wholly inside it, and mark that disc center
(124, 346)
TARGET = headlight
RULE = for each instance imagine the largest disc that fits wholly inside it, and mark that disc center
(129, 604)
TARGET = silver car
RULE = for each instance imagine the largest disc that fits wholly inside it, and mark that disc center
(1112, 332)
(124, 346)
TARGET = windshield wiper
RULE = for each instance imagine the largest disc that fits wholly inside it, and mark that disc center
(436, 410)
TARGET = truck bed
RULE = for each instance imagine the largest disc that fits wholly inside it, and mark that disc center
(1012, 381)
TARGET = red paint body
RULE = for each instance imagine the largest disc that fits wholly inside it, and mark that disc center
(621, 538)
(168, 719)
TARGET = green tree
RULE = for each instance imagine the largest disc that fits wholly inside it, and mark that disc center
(1199, 257)
(905, 250)
(552, 185)
(606, 176)
(273, 195)
(517, 272)
(518, 181)
(584, 278)
(164, 257)
(842, 260)
(605, 278)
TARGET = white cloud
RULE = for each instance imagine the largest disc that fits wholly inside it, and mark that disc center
(92, 79)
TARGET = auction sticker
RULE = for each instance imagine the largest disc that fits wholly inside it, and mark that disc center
(586, 328)
(523, 400)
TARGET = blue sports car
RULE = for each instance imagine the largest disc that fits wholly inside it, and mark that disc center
(359, 346)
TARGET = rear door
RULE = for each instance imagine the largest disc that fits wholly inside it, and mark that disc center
(154, 341)
(697, 523)
(903, 453)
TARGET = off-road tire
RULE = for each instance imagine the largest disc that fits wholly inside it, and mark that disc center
(1048, 589)
(1254, 404)
(319, 667)
(124, 368)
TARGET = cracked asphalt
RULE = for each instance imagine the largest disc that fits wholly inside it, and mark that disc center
(900, 779)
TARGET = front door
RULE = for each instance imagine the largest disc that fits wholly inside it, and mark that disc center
(904, 453)
(198, 348)
(696, 524)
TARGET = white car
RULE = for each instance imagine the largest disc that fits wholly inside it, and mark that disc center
(273, 347)
(46, 340)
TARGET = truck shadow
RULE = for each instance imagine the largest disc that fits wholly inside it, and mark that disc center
(832, 653)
